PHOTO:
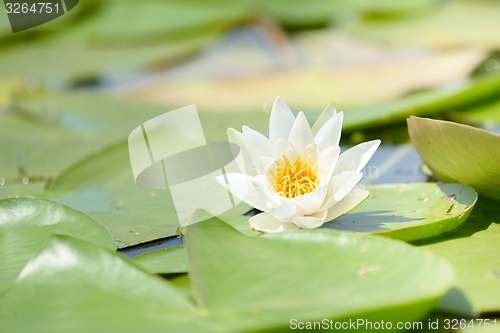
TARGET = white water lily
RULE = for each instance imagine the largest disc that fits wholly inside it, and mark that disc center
(297, 177)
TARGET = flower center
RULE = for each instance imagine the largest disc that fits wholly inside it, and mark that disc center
(291, 180)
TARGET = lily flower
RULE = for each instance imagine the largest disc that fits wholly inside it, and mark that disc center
(297, 177)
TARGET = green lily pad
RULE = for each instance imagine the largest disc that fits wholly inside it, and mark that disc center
(409, 212)
(453, 24)
(26, 224)
(157, 20)
(89, 289)
(165, 261)
(103, 186)
(46, 133)
(264, 281)
(105, 43)
(473, 251)
(486, 115)
(424, 103)
(83, 61)
(459, 153)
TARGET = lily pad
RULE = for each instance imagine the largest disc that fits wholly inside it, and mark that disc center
(183, 284)
(103, 186)
(425, 103)
(156, 21)
(473, 251)
(26, 224)
(262, 282)
(459, 153)
(84, 61)
(409, 212)
(165, 261)
(89, 289)
(482, 115)
(43, 134)
(453, 24)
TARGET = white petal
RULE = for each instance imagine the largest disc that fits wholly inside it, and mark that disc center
(261, 182)
(264, 222)
(355, 159)
(283, 147)
(301, 134)
(351, 201)
(329, 134)
(244, 162)
(328, 160)
(280, 207)
(310, 203)
(286, 213)
(257, 144)
(311, 149)
(339, 186)
(281, 120)
(242, 187)
(328, 113)
(311, 221)
(265, 163)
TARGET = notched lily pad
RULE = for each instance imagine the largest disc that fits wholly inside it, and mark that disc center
(410, 212)
(459, 153)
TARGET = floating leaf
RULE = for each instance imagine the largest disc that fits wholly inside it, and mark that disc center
(165, 261)
(183, 284)
(83, 61)
(473, 251)
(453, 24)
(43, 134)
(156, 21)
(74, 286)
(103, 186)
(459, 153)
(26, 224)
(425, 103)
(265, 281)
(482, 115)
(409, 212)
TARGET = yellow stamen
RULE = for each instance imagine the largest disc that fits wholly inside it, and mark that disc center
(291, 180)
